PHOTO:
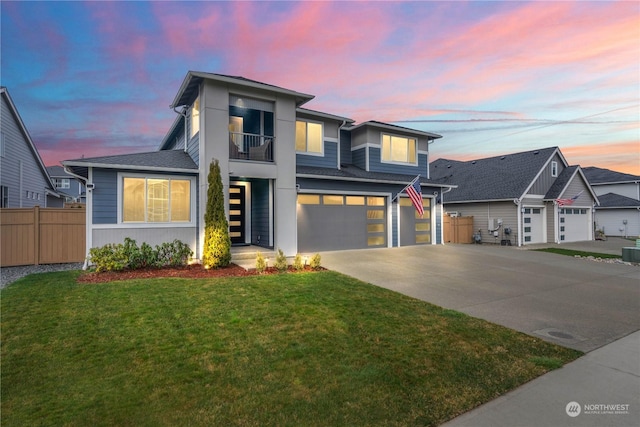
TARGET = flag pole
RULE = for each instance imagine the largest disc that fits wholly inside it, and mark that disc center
(406, 186)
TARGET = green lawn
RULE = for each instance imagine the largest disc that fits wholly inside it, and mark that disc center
(309, 349)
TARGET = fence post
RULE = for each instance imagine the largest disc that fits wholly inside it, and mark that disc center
(36, 234)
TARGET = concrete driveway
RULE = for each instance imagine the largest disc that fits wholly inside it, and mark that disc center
(573, 302)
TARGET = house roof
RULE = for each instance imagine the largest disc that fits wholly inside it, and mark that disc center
(187, 92)
(164, 161)
(4, 92)
(57, 172)
(390, 127)
(324, 115)
(616, 201)
(561, 182)
(356, 174)
(505, 177)
(599, 176)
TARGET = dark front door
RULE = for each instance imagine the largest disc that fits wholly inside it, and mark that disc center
(237, 206)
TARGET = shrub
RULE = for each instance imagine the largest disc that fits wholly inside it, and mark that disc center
(110, 257)
(217, 244)
(315, 262)
(261, 263)
(116, 257)
(281, 262)
(172, 254)
(297, 263)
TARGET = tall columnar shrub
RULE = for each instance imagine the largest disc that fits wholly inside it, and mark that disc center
(217, 244)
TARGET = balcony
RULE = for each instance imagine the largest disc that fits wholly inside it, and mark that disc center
(248, 146)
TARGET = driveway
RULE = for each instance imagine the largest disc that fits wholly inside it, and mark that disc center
(573, 302)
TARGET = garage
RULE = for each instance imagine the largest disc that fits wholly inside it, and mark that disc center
(328, 222)
(414, 229)
(574, 224)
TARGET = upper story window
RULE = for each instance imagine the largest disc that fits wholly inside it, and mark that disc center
(156, 200)
(309, 137)
(554, 169)
(195, 117)
(63, 183)
(399, 149)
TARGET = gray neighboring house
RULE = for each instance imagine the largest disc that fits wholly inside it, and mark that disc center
(24, 181)
(294, 178)
(521, 198)
(619, 193)
(70, 187)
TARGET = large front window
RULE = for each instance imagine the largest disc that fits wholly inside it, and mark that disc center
(156, 200)
(308, 137)
(399, 149)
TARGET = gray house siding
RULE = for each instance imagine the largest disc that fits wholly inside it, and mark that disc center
(105, 196)
(546, 179)
(483, 213)
(329, 160)
(359, 158)
(345, 147)
(21, 172)
(376, 165)
(193, 149)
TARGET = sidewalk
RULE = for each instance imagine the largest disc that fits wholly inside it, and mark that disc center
(604, 385)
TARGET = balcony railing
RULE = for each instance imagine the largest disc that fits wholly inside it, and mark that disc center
(248, 146)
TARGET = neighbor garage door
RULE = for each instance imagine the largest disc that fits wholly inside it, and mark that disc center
(533, 225)
(574, 224)
(329, 222)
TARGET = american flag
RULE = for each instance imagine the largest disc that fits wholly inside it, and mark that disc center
(565, 202)
(415, 194)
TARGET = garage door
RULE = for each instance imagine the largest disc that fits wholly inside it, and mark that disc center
(533, 230)
(414, 229)
(328, 222)
(574, 224)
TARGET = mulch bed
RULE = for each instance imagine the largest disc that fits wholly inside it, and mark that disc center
(187, 272)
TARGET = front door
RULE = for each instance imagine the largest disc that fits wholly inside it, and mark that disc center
(237, 207)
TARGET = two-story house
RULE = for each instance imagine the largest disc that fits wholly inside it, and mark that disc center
(68, 186)
(294, 179)
(619, 193)
(24, 181)
(520, 198)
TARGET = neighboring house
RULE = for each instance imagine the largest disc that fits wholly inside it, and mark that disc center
(24, 181)
(521, 198)
(70, 187)
(619, 193)
(294, 179)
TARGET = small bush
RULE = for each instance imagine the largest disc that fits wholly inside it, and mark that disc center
(173, 254)
(110, 257)
(117, 257)
(315, 262)
(297, 263)
(281, 262)
(261, 263)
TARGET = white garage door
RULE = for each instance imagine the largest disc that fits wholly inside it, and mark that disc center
(533, 225)
(574, 224)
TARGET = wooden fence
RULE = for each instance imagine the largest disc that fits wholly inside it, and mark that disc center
(42, 236)
(458, 229)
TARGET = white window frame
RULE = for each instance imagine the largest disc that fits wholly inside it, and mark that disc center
(194, 117)
(392, 162)
(145, 224)
(554, 169)
(307, 152)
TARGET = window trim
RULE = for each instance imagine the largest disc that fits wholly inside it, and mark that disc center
(393, 162)
(307, 152)
(145, 224)
(554, 168)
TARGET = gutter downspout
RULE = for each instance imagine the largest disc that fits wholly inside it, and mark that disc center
(518, 203)
(88, 213)
(442, 192)
(344, 122)
(183, 114)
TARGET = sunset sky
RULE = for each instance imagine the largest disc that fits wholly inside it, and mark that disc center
(95, 78)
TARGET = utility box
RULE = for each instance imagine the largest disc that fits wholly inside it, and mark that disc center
(631, 254)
